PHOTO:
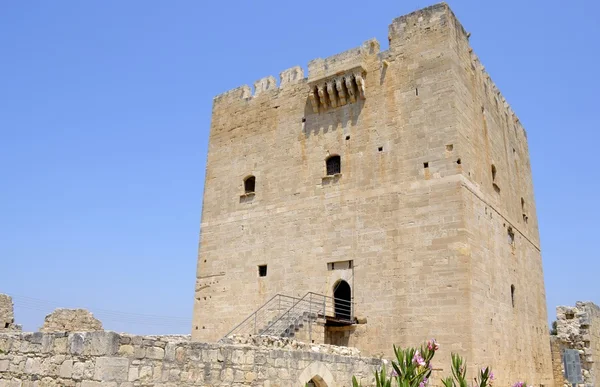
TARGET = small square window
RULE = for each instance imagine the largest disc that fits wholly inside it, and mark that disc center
(380, 149)
(426, 165)
(262, 270)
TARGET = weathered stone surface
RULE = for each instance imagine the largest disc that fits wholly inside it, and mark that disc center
(578, 327)
(111, 368)
(71, 320)
(240, 361)
(7, 316)
(433, 204)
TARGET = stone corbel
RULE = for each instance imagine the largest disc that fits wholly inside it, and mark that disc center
(313, 100)
(322, 95)
(331, 92)
(350, 87)
(339, 85)
(360, 83)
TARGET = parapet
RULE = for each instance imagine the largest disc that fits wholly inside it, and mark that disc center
(427, 18)
(319, 69)
(333, 81)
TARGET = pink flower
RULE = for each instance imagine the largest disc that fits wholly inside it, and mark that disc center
(432, 345)
(418, 359)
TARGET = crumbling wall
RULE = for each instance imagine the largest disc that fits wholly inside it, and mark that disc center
(71, 320)
(94, 359)
(7, 315)
(578, 327)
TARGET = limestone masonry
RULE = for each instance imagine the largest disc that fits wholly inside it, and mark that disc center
(95, 359)
(7, 316)
(71, 320)
(397, 182)
(578, 327)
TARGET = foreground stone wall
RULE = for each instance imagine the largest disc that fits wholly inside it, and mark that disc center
(578, 327)
(93, 359)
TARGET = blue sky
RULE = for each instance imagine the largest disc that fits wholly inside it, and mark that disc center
(105, 112)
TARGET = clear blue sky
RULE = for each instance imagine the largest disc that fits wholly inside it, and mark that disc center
(105, 112)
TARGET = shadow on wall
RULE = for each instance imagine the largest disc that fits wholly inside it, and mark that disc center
(328, 120)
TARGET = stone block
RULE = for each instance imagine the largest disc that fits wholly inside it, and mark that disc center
(111, 368)
(155, 353)
(101, 343)
(66, 369)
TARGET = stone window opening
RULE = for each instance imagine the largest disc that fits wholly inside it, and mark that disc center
(494, 185)
(333, 165)
(458, 161)
(262, 270)
(426, 165)
(512, 295)
(511, 235)
(524, 210)
(380, 149)
(249, 184)
(569, 315)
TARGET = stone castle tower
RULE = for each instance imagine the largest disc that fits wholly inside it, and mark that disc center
(401, 177)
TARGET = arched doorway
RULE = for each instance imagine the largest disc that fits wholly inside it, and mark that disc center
(316, 381)
(343, 300)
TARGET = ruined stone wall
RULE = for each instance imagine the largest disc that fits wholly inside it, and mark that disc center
(578, 327)
(95, 359)
(558, 370)
(71, 320)
(7, 315)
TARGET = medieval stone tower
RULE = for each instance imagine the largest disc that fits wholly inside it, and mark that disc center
(402, 176)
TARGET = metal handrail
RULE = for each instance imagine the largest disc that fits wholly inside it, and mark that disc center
(289, 310)
(335, 302)
(256, 312)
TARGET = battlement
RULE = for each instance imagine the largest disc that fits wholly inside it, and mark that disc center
(340, 79)
(350, 62)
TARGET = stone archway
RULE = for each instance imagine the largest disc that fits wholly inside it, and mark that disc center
(317, 381)
(317, 373)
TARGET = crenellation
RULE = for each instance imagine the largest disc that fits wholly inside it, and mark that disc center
(239, 93)
(291, 76)
(265, 84)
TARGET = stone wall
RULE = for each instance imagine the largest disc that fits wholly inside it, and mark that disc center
(7, 316)
(95, 359)
(578, 327)
(71, 320)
